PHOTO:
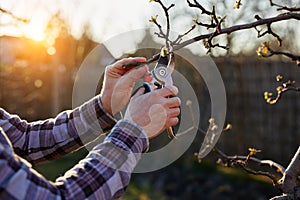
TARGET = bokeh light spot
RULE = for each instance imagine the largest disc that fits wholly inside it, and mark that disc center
(51, 50)
(38, 83)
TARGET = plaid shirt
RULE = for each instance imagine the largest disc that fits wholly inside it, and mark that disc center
(103, 174)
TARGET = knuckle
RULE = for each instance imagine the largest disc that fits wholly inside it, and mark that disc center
(120, 62)
(177, 111)
(178, 101)
(174, 112)
(108, 67)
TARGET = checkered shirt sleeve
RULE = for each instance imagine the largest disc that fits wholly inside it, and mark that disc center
(103, 174)
(41, 141)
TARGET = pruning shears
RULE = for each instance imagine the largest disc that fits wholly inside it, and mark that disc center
(161, 77)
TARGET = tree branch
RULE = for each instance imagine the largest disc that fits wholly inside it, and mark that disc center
(235, 28)
(291, 9)
(242, 161)
(290, 179)
(265, 51)
(279, 168)
(13, 16)
(289, 85)
(166, 11)
(289, 55)
(266, 21)
(289, 183)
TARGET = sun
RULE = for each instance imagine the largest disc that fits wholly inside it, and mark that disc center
(35, 30)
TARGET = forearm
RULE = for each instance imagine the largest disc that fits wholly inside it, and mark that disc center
(108, 167)
(46, 140)
(103, 174)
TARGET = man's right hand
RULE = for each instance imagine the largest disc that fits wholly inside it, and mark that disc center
(154, 111)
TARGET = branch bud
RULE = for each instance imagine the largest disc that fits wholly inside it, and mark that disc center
(153, 19)
(264, 50)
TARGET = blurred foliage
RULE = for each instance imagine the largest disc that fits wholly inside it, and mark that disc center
(24, 89)
(56, 168)
(187, 179)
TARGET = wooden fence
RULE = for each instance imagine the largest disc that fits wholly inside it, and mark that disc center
(275, 129)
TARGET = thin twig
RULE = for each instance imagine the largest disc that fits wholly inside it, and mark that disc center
(209, 44)
(291, 9)
(279, 168)
(265, 51)
(13, 15)
(198, 5)
(179, 38)
(166, 11)
(189, 105)
(242, 161)
(211, 14)
(268, 31)
(289, 55)
(208, 26)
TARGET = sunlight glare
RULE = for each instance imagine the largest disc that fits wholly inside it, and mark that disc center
(35, 30)
(51, 50)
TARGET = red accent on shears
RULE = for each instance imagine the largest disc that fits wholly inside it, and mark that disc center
(148, 78)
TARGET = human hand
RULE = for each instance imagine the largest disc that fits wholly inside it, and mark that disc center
(119, 82)
(154, 111)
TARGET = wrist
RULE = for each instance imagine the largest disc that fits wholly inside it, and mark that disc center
(106, 103)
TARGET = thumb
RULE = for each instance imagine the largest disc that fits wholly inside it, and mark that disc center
(135, 74)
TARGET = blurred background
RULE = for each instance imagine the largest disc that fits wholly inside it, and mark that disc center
(43, 44)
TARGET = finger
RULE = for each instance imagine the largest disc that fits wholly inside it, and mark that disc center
(128, 80)
(173, 121)
(174, 112)
(117, 69)
(137, 73)
(167, 91)
(173, 102)
(138, 92)
(126, 61)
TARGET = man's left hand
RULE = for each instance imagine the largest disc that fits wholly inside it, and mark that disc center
(119, 82)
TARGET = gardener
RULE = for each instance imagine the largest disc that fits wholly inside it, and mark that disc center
(106, 170)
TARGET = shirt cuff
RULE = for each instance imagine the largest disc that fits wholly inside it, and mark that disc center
(106, 120)
(129, 136)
